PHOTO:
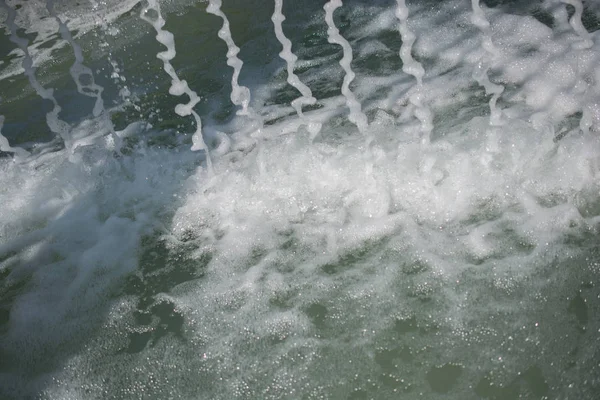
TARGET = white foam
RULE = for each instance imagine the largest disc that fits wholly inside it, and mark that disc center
(443, 205)
(577, 25)
(325, 188)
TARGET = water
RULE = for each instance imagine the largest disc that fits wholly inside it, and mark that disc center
(340, 216)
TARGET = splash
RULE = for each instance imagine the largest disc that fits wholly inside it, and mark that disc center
(481, 70)
(356, 116)
(290, 58)
(178, 86)
(84, 79)
(414, 68)
(240, 95)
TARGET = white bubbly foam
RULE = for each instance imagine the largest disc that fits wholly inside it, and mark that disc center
(414, 68)
(240, 95)
(504, 198)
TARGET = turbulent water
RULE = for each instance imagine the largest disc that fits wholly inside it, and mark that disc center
(300, 199)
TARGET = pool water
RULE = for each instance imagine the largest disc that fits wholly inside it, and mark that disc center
(404, 203)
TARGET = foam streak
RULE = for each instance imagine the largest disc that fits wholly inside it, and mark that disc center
(481, 70)
(178, 86)
(357, 117)
(414, 68)
(56, 125)
(577, 25)
(290, 59)
(240, 95)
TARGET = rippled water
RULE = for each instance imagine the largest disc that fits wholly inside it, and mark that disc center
(400, 237)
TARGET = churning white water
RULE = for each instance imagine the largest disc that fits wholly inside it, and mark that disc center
(293, 199)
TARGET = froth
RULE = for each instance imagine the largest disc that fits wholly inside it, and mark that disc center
(330, 187)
